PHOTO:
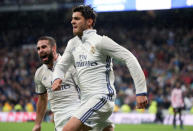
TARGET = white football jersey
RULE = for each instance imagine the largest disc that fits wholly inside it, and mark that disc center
(92, 56)
(64, 101)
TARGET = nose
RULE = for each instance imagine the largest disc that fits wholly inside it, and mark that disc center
(72, 21)
(40, 50)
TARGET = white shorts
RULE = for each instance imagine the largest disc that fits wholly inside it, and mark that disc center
(63, 114)
(95, 112)
(58, 128)
(60, 119)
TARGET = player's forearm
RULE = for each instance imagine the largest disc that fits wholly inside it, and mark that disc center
(41, 108)
(62, 66)
(59, 72)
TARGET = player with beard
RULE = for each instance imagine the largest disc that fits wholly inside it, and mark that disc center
(92, 56)
(64, 101)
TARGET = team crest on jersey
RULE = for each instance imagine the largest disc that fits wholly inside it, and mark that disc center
(92, 49)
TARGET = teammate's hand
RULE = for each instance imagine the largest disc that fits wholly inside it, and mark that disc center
(56, 85)
(36, 128)
(141, 102)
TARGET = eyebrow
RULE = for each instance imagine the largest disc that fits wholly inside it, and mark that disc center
(41, 46)
(75, 17)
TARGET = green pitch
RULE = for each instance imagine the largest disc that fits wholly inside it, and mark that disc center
(50, 127)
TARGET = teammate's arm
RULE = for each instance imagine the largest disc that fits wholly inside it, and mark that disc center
(62, 66)
(111, 48)
(40, 111)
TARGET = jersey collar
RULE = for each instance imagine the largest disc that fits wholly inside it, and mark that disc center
(87, 33)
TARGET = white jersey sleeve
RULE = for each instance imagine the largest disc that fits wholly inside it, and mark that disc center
(111, 48)
(39, 88)
(65, 62)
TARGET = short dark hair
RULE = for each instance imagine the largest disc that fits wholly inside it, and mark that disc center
(50, 39)
(87, 12)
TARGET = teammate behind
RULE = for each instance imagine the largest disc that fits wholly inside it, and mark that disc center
(63, 101)
(92, 56)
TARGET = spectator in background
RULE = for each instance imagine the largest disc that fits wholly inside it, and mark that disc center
(177, 101)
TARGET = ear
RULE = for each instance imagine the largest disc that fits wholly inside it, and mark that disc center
(89, 22)
(54, 48)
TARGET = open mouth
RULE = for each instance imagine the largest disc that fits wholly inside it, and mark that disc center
(44, 57)
(75, 27)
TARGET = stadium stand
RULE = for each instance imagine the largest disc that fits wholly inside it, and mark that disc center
(161, 40)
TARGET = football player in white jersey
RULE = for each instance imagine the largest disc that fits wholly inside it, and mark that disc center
(63, 101)
(92, 56)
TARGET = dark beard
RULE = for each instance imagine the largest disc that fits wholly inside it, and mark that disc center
(50, 59)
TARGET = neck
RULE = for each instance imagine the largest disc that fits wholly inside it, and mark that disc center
(55, 56)
(50, 65)
(81, 34)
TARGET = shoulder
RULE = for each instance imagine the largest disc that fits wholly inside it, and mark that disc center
(106, 38)
(95, 40)
(102, 40)
(72, 42)
(97, 37)
(39, 72)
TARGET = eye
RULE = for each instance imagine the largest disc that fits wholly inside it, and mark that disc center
(44, 46)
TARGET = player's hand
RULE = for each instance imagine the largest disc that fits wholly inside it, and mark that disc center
(36, 128)
(141, 102)
(56, 85)
(85, 128)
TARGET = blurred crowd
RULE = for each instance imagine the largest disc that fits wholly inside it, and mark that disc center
(164, 53)
(166, 58)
